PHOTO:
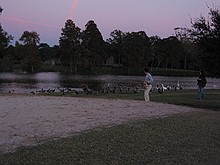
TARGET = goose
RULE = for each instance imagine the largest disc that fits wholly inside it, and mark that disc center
(159, 90)
(163, 87)
(76, 92)
(178, 86)
(52, 90)
(135, 90)
(41, 90)
(11, 91)
(87, 90)
(169, 87)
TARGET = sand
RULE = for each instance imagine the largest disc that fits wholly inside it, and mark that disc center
(27, 120)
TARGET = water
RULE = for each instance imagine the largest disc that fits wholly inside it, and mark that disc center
(26, 83)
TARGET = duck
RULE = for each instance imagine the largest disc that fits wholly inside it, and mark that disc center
(178, 86)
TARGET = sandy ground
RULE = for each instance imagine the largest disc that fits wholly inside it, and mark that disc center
(28, 120)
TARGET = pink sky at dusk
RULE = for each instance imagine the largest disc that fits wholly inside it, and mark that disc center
(47, 17)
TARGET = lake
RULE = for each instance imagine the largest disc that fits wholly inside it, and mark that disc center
(26, 83)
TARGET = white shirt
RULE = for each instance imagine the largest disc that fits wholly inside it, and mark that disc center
(148, 79)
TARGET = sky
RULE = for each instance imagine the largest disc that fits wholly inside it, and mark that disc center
(47, 17)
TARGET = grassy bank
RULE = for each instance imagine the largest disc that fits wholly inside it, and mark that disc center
(189, 98)
(191, 138)
(181, 97)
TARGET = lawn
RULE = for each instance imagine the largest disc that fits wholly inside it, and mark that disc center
(191, 138)
(187, 97)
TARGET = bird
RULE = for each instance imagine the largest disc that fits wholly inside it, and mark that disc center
(11, 91)
(160, 90)
(76, 92)
(178, 86)
(53, 90)
(41, 90)
(87, 90)
(163, 87)
(135, 90)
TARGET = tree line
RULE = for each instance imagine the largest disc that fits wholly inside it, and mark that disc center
(85, 50)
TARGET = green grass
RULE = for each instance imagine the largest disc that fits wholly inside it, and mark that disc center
(180, 97)
(190, 138)
(189, 98)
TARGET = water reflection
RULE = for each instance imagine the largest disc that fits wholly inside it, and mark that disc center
(25, 83)
(47, 77)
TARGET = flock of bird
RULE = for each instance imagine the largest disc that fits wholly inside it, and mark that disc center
(58, 89)
(108, 89)
(87, 90)
(163, 88)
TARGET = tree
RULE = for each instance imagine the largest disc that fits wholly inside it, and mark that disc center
(156, 59)
(117, 43)
(175, 51)
(30, 41)
(8, 60)
(70, 44)
(137, 49)
(1, 9)
(206, 33)
(4, 43)
(4, 40)
(30, 38)
(5, 59)
(94, 45)
(44, 51)
(190, 48)
(169, 51)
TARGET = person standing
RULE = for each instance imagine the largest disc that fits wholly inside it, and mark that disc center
(201, 82)
(147, 84)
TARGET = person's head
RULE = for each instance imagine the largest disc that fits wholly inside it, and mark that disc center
(146, 70)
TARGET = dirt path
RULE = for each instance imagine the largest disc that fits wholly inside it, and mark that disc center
(27, 120)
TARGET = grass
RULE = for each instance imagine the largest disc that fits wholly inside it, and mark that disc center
(191, 138)
(186, 97)
(189, 98)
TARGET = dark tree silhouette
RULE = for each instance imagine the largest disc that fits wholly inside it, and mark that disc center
(70, 45)
(206, 33)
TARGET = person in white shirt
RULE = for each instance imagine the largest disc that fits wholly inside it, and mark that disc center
(147, 84)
